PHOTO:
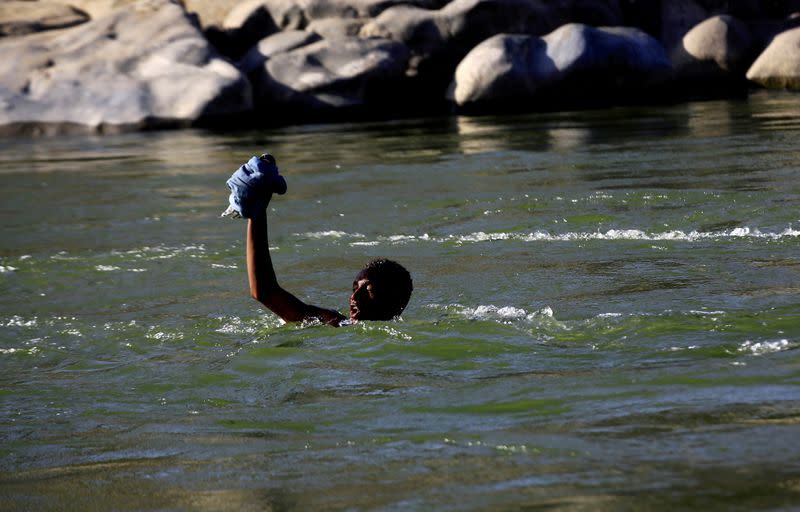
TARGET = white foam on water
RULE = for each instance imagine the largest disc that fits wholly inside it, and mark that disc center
(30, 351)
(18, 321)
(330, 234)
(219, 265)
(546, 236)
(106, 268)
(765, 347)
(162, 252)
(7, 269)
(235, 325)
(493, 312)
(387, 329)
(154, 334)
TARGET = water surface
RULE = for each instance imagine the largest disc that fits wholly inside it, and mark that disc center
(605, 316)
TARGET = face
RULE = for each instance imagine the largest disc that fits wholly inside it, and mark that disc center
(363, 303)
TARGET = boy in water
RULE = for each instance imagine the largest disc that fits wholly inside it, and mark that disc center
(381, 289)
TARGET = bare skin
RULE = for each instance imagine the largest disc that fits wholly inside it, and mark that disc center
(264, 285)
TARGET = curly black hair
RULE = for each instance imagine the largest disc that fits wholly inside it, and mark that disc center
(393, 280)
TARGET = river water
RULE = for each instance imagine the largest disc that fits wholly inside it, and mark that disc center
(606, 316)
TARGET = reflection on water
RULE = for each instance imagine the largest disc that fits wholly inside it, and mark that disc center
(605, 316)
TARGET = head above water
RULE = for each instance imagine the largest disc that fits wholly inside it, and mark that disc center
(381, 291)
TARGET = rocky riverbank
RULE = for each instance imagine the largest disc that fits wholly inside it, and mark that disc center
(115, 65)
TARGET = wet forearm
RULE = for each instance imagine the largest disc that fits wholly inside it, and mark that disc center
(260, 271)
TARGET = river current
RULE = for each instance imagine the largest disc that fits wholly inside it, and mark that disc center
(606, 316)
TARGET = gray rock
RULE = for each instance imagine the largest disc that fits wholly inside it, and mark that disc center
(713, 57)
(778, 67)
(718, 45)
(244, 26)
(440, 39)
(278, 43)
(319, 9)
(20, 18)
(144, 65)
(210, 13)
(575, 64)
(336, 28)
(326, 76)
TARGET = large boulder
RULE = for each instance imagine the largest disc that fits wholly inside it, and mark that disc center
(210, 13)
(281, 42)
(575, 65)
(714, 55)
(671, 20)
(20, 18)
(439, 39)
(297, 14)
(327, 79)
(144, 65)
(245, 25)
(778, 67)
(336, 28)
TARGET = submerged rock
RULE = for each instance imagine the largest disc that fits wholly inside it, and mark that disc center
(144, 65)
(348, 75)
(574, 65)
(778, 67)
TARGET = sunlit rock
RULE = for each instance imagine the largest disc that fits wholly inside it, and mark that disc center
(575, 64)
(244, 26)
(277, 43)
(439, 39)
(778, 67)
(210, 13)
(143, 65)
(336, 28)
(714, 54)
(20, 18)
(320, 78)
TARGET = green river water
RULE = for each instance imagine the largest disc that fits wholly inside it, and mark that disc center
(606, 316)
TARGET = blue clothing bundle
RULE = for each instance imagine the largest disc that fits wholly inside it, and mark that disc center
(251, 186)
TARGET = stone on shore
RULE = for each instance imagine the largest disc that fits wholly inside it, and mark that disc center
(439, 39)
(326, 77)
(210, 13)
(281, 42)
(336, 28)
(778, 66)
(244, 26)
(573, 65)
(144, 65)
(252, 20)
(714, 54)
(20, 18)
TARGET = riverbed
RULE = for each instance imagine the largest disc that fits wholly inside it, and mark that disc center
(606, 316)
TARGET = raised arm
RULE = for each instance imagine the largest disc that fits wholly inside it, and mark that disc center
(264, 285)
